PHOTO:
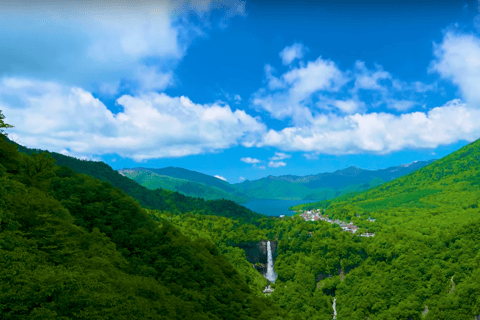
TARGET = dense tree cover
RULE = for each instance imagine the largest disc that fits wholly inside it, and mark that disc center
(152, 181)
(159, 199)
(323, 186)
(3, 124)
(190, 175)
(303, 259)
(424, 259)
(226, 234)
(74, 247)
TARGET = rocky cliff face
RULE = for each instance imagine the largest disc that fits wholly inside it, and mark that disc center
(257, 254)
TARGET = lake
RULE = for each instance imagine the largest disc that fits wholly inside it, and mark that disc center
(270, 207)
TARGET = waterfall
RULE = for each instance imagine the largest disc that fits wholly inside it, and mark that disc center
(271, 275)
(334, 308)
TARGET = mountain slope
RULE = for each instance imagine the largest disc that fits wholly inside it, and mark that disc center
(190, 175)
(424, 261)
(152, 180)
(442, 188)
(324, 185)
(74, 247)
(152, 199)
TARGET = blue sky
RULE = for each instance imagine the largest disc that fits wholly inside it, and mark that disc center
(242, 89)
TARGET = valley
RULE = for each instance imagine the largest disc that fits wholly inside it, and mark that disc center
(239, 160)
(255, 194)
(183, 257)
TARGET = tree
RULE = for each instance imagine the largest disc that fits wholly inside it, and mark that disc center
(3, 124)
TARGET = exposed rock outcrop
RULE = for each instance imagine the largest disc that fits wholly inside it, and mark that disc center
(256, 253)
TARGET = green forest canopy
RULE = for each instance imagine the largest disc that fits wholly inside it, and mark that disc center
(74, 247)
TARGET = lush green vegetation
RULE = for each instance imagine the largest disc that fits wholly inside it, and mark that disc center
(152, 181)
(159, 199)
(76, 247)
(316, 187)
(190, 175)
(323, 186)
(425, 255)
(302, 258)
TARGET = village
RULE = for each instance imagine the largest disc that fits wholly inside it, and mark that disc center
(316, 215)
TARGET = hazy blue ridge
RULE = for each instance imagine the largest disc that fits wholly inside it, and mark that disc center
(324, 186)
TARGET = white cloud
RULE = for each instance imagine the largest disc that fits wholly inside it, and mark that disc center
(220, 177)
(250, 160)
(303, 93)
(276, 164)
(241, 178)
(50, 116)
(381, 133)
(150, 78)
(280, 156)
(109, 88)
(236, 98)
(349, 106)
(457, 58)
(297, 86)
(95, 44)
(400, 105)
(290, 53)
(368, 79)
(327, 115)
(310, 156)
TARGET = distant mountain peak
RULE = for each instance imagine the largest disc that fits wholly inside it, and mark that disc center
(408, 164)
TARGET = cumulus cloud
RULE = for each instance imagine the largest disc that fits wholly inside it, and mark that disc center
(241, 178)
(400, 105)
(50, 116)
(276, 164)
(381, 133)
(95, 44)
(386, 90)
(358, 130)
(250, 160)
(290, 53)
(297, 86)
(236, 98)
(152, 79)
(280, 156)
(369, 79)
(304, 93)
(220, 177)
(457, 59)
(348, 106)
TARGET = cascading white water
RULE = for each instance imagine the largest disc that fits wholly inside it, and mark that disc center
(334, 308)
(271, 275)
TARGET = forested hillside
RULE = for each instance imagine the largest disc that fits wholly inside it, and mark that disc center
(74, 247)
(324, 186)
(152, 180)
(190, 175)
(321, 186)
(152, 199)
(425, 256)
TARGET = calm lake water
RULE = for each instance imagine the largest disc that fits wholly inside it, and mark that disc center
(273, 207)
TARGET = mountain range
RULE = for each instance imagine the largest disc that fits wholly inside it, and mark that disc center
(184, 181)
(320, 186)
